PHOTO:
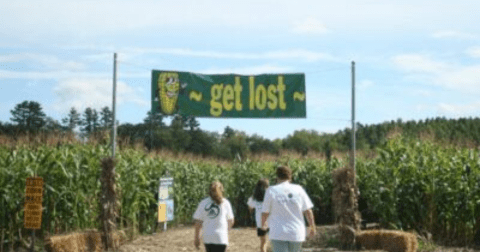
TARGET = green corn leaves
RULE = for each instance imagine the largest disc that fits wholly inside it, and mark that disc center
(409, 185)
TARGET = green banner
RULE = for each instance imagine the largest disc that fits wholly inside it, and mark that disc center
(229, 95)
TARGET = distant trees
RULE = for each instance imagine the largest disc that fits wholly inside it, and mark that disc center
(304, 141)
(183, 134)
(72, 120)
(90, 121)
(28, 116)
(106, 118)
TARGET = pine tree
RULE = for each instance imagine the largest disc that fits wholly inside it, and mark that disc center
(106, 118)
(192, 124)
(29, 116)
(89, 121)
(72, 120)
(154, 119)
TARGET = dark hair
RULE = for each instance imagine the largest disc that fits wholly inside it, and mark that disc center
(216, 192)
(283, 173)
(260, 189)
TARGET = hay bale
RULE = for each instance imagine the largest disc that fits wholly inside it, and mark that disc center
(391, 241)
(93, 241)
(413, 242)
(368, 239)
(65, 243)
(88, 241)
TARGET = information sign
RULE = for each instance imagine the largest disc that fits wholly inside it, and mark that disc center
(165, 200)
(33, 203)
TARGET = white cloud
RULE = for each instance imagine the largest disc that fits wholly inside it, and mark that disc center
(465, 78)
(473, 52)
(300, 54)
(310, 26)
(44, 60)
(459, 110)
(454, 34)
(94, 93)
(419, 64)
(37, 75)
(448, 75)
(422, 107)
(31, 19)
(422, 92)
(262, 69)
(364, 84)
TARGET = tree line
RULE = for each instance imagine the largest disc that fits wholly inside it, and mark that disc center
(184, 134)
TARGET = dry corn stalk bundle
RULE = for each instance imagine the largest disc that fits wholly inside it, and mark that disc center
(345, 204)
(108, 211)
(89, 241)
(391, 241)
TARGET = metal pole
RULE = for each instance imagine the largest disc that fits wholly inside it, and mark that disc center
(114, 128)
(151, 130)
(352, 159)
(32, 247)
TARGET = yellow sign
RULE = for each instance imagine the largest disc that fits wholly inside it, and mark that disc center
(33, 216)
(162, 212)
(34, 190)
(33, 203)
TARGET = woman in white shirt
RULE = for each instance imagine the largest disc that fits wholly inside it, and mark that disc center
(255, 203)
(285, 206)
(214, 214)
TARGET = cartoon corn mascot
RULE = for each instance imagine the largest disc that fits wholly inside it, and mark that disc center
(168, 88)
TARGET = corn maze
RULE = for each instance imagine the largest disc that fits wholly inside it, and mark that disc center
(409, 185)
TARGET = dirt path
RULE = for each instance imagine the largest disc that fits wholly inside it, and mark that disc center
(181, 239)
(241, 240)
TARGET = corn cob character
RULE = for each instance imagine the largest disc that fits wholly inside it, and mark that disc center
(168, 90)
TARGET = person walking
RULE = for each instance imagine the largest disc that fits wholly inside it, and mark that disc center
(284, 206)
(214, 214)
(255, 204)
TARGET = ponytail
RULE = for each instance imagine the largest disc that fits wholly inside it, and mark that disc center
(216, 192)
(260, 189)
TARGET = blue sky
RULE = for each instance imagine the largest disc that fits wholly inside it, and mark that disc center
(415, 59)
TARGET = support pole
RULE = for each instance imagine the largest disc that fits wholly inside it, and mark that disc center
(114, 127)
(352, 159)
(32, 246)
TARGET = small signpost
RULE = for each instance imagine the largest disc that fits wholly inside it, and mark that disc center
(165, 201)
(33, 206)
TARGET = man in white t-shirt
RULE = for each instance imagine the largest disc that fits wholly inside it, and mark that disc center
(284, 205)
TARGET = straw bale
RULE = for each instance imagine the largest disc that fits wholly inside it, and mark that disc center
(88, 241)
(368, 239)
(413, 242)
(64, 243)
(391, 241)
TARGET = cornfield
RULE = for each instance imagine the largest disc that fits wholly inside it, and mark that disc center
(409, 185)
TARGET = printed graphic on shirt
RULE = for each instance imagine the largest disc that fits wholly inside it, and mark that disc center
(212, 210)
(287, 198)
